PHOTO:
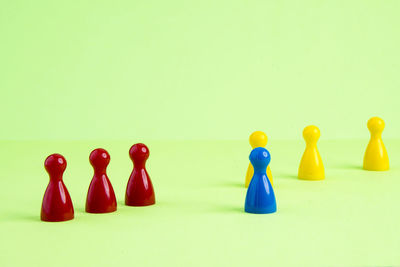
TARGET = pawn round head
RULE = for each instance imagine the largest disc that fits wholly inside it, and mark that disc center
(258, 139)
(260, 158)
(311, 134)
(55, 165)
(99, 158)
(139, 153)
(376, 125)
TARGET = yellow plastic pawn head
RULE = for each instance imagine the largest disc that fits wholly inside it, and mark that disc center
(375, 126)
(311, 166)
(311, 134)
(258, 139)
(376, 157)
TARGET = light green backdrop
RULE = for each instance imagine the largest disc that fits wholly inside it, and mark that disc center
(197, 69)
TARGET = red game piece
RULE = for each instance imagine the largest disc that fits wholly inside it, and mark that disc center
(100, 196)
(139, 191)
(57, 205)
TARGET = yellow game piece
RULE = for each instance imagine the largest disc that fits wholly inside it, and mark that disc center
(257, 139)
(311, 166)
(376, 157)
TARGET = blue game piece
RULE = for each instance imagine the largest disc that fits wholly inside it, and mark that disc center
(260, 197)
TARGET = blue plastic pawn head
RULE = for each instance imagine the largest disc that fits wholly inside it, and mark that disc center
(260, 158)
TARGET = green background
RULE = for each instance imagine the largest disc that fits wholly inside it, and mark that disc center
(192, 79)
(197, 69)
(349, 219)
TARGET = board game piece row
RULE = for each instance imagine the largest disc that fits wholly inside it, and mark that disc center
(260, 196)
(57, 205)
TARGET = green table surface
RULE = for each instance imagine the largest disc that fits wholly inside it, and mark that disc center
(352, 218)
